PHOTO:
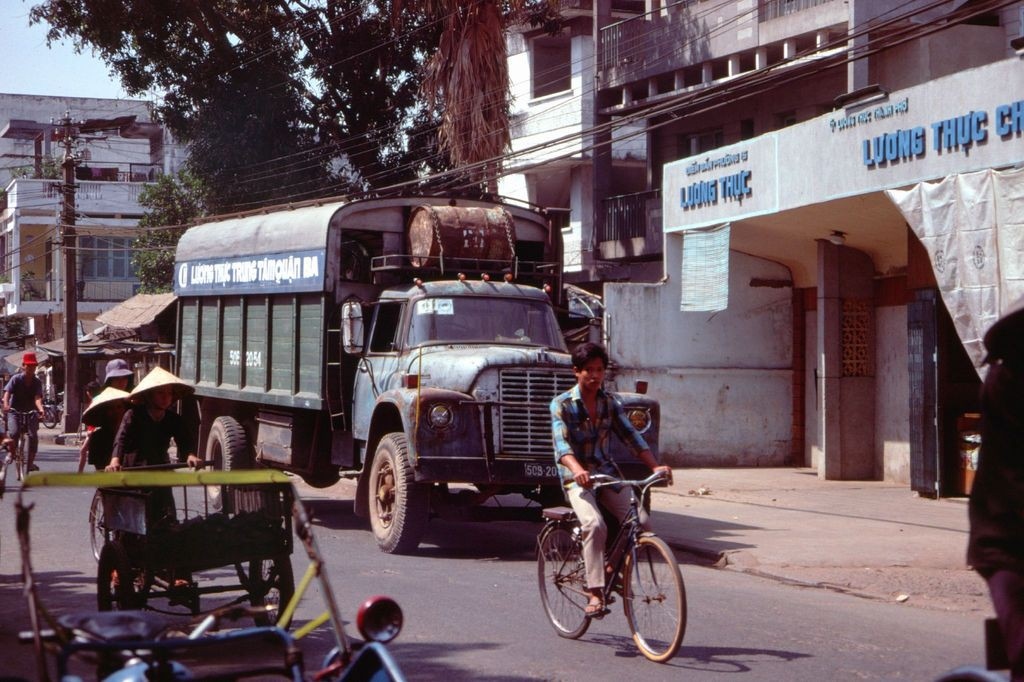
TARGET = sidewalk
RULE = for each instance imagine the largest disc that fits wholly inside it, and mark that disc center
(868, 538)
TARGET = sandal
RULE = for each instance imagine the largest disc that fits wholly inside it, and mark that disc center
(595, 609)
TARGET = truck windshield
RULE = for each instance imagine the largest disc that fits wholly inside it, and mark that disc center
(479, 319)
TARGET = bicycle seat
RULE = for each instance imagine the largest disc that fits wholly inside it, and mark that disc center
(559, 513)
(119, 625)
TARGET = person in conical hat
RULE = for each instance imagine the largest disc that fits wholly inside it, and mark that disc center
(104, 414)
(147, 428)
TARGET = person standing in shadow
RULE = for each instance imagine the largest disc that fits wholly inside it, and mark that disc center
(996, 507)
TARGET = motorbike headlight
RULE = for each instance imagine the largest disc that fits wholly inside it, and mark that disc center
(440, 415)
(639, 417)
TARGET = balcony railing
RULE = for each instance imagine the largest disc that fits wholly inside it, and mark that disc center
(136, 172)
(773, 9)
(632, 225)
(652, 43)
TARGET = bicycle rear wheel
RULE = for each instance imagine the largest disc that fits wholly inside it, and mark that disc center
(654, 599)
(562, 580)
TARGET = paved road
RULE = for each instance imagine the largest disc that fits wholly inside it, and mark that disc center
(473, 613)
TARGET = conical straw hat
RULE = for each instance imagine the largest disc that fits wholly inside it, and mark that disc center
(156, 378)
(93, 415)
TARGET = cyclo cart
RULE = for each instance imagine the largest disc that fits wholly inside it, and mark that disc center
(161, 529)
(158, 538)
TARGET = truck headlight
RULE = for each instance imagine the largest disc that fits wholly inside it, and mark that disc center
(440, 415)
(639, 417)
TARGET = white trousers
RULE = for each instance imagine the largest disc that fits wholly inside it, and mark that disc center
(595, 532)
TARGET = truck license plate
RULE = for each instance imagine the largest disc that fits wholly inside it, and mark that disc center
(540, 470)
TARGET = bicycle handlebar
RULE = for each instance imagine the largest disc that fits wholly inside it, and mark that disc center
(603, 480)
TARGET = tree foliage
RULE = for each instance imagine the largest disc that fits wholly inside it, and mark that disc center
(173, 202)
(278, 100)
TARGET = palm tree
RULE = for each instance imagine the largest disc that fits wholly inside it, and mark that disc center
(468, 76)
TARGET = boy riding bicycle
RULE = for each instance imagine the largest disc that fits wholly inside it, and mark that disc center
(582, 420)
(23, 395)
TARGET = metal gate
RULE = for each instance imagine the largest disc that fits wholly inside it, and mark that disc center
(922, 339)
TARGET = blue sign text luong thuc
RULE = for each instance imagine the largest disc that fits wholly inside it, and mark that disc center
(956, 134)
(734, 187)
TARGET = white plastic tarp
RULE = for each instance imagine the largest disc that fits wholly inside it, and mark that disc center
(972, 226)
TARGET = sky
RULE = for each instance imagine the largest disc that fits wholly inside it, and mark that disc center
(29, 67)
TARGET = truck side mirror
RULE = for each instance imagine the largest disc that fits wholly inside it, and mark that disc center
(352, 327)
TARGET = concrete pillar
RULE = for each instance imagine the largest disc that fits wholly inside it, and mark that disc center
(760, 58)
(857, 75)
(821, 39)
(734, 65)
(705, 73)
(788, 49)
(652, 87)
(678, 80)
(846, 368)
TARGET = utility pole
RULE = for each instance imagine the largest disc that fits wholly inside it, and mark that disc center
(72, 404)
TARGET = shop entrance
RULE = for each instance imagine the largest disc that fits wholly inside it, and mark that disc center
(944, 396)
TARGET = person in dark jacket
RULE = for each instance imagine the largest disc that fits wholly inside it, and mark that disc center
(996, 508)
(149, 426)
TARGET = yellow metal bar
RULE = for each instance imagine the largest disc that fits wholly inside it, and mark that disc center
(312, 625)
(288, 611)
(154, 479)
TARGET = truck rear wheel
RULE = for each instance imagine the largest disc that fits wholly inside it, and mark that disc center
(398, 506)
(227, 448)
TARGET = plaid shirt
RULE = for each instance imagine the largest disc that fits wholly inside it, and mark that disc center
(574, 433)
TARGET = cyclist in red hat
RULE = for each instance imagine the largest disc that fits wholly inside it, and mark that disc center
(24, 394)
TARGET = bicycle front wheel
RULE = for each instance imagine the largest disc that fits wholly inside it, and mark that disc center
(563, 587)
(654, 599)
(50, 418)
(20, 467)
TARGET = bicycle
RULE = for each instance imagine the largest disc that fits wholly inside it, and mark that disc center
(643, 570)
(16, 450)
(52, 413)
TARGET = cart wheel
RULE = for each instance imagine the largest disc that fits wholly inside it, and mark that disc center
(115, 580)
(271, 583)
(97, 527)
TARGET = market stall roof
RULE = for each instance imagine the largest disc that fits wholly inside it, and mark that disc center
(137, 311)
(98, 346)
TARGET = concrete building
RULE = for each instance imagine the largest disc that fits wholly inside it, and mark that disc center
(113, 166)
(790, 280)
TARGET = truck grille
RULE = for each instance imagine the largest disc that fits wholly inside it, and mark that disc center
(524, 416)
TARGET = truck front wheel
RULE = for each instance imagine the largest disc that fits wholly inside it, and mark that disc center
(398, 505)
